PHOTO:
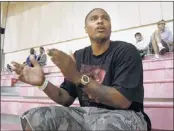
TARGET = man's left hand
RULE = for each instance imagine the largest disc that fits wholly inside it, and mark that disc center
(66, 64)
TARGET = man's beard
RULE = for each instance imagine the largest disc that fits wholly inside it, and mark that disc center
(101, 40)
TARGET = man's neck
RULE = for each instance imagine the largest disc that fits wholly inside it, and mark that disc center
(99, 48)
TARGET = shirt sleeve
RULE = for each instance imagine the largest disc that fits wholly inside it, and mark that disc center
(69, 87)
(170, 37)
(128, 74)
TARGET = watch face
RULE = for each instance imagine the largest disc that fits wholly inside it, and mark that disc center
(85, 78)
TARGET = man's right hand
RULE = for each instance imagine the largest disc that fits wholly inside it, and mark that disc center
(30, 75)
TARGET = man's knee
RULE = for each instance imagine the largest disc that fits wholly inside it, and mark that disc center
(43, 118)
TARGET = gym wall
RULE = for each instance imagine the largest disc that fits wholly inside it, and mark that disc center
(61, 24)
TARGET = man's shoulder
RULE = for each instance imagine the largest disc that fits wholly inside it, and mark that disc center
(122, 45)
(82, 51)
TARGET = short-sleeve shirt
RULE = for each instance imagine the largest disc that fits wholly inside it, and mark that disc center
(119, 67)
(167, 36)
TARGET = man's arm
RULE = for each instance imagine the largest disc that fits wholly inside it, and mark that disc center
(59, 95)
(107, 95)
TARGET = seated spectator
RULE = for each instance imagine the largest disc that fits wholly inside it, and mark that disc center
(32, 52)
(9, 69)
(141, 45)
(42, 57)
(161, 40)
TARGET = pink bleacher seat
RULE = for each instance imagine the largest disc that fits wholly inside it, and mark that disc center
(158, 74)
(15, 127)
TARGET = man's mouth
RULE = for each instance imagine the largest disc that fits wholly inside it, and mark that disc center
(100, 29)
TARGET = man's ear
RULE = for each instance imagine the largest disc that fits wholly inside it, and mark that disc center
(86, 29)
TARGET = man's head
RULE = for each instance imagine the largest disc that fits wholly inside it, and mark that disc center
(138, 37)
(161, 25)
(32, 51)
(41, 49)
(98, 24)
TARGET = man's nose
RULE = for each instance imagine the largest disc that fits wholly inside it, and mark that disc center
(99, 21)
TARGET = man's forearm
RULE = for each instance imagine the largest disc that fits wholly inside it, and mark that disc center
(58, 95)
(106, 95)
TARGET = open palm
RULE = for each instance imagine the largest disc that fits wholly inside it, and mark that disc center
(30, 75)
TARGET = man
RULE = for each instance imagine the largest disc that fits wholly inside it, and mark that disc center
(140, 45)
(42, 57)
(32, 52)
(107, 78)
(161, 40)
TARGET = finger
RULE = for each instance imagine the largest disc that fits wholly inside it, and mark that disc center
(34, 61)
(55, 61)
(17, 67)
(15, 64)
(52, 52)
(72, 56)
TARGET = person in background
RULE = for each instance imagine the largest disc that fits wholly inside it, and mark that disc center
(9, 69)
(161, 40)
(32, 52)
(42, 57)
(141, 45)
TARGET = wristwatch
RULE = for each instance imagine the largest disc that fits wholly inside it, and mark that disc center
(84, 81)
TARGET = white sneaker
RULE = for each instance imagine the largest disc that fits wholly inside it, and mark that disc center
(156, 56)
(162, 49)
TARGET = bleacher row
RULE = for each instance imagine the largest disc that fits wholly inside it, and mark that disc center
(17, 97)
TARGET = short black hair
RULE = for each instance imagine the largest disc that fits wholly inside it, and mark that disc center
(32, 51)
(41, 48)
(92, 11)
(138, 33)
(161, 21)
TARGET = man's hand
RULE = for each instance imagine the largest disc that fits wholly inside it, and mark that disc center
(30, 75)
(66, 64)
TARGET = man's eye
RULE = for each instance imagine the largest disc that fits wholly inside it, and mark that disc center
(106, 18)
(93, 18)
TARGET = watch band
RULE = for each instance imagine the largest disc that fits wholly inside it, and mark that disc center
(44, 85)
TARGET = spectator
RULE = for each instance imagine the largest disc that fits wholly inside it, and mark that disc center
(141, 45)
(161, 40)
(9, 69)
(42, 57)
(32, 52)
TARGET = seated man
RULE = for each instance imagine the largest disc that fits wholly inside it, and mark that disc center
(161, 40)
(107, 78)
(32, 52)
(42, 57)
(9, 69)
(140, 45)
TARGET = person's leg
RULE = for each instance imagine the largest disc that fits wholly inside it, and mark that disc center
(52, 118)
(157, 45)
(117, 120)
(165, 45)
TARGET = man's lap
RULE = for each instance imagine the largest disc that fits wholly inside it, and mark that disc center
(83, 118)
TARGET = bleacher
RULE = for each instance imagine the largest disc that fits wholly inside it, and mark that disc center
(17, 97)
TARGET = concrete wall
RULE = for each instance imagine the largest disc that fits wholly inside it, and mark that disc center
(61, 24)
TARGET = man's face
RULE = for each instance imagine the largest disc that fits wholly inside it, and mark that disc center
(32, 51)
(98, 25)
(41, 50)
(161, 25)
(138, 38)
